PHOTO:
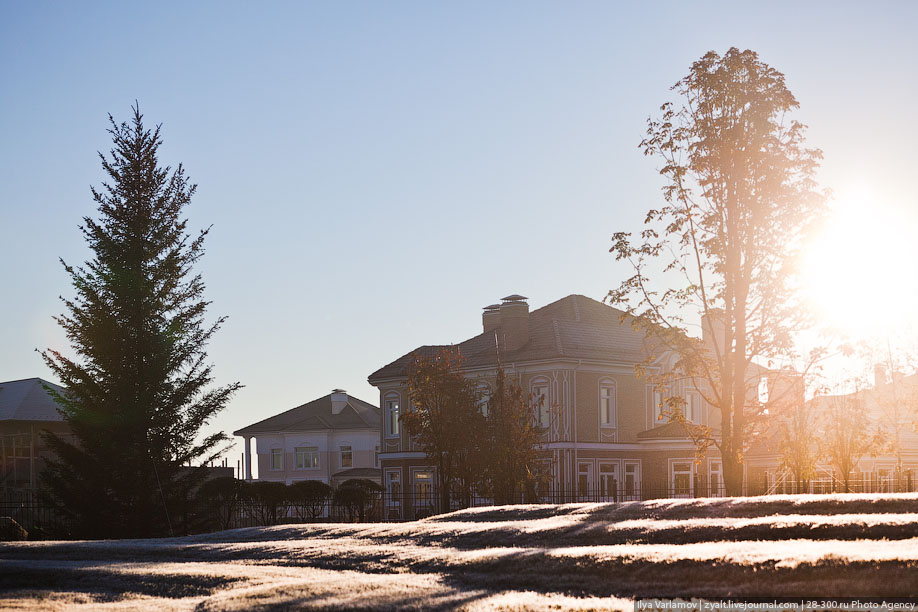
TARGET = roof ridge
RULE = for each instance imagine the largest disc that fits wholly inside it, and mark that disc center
(558, 336)
(38, 378)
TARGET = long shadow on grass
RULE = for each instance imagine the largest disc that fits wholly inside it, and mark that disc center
(105, 585)
(686, 578)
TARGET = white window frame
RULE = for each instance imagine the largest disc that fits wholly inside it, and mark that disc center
(655, 399)
(694, 410)
(590, 475)
(389, 481)
(279, 453)
(349, 451)
(423, 503)
(718, 490)
(393, 425)
(691, 477)
(612, 421)
(484, 399)
(609, 491)
(638, 492)
(310, 454)
(543, 408)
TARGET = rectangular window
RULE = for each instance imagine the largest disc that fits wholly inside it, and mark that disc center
(394, 494)
(377, 456)
(717, 484)
(763, 390)
(608, 481)
(423, 489)
(693, 409)
(347, 457)
(584, 479)
(483, 399)
(540, 397)
(392, 414)
(307, 457)
(682, 479)
(394, 484)
(607, 405)
(277, 459)
(657, 408)
(632, 481)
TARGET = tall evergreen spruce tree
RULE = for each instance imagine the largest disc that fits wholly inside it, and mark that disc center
(137, 391)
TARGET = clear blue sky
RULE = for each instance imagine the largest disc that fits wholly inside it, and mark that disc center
(376, 172)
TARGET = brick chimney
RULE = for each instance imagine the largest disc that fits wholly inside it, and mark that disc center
(490, 318)
(514, 322)
(338, 400)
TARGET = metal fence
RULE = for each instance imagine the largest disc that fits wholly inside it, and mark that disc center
(901, 483)
(29, 509)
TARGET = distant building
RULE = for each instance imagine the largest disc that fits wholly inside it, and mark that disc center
(890, 409)
(605, 431)
(26, 409)
(332, 439)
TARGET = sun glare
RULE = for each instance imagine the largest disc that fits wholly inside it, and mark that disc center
(858, 272)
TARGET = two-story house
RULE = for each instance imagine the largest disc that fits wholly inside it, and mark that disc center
(333, 438)
(605, 433)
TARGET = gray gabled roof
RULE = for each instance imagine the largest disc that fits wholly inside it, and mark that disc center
(27, 400)
(317, 416)
(574, 327)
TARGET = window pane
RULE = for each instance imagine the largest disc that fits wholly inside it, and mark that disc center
(392, 413)
(607, 404)
(542, 405)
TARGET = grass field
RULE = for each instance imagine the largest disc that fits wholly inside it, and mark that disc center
(575, 556)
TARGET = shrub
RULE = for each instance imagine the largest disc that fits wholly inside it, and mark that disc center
(309, 498)
(357, 498)
(220, 497)
(268, 500)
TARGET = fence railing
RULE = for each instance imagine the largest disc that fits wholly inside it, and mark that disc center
(42, 521)
(903, 483)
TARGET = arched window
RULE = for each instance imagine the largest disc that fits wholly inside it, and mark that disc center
(608, 416)
(541, 400)
(393, 411)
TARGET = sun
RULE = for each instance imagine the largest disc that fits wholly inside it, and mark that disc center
(859, 271)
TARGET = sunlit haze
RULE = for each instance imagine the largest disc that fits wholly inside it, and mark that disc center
(856, 271)
(376, 173)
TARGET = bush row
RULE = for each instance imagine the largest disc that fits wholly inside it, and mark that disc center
(269, 503)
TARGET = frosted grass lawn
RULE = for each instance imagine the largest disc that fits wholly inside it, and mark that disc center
(575, 556)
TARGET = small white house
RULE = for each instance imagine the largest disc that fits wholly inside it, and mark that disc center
(332, 439)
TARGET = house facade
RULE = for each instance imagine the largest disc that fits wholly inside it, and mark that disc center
(332, 439)
(888, 413)
(26, 410)
(605, 433)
